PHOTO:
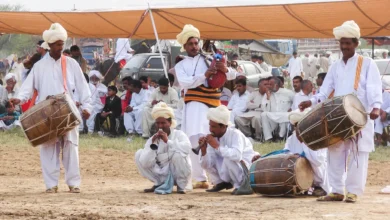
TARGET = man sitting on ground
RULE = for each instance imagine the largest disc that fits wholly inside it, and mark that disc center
(111, 112)
(223, 151)
(237, 103)
(297, 80)
(171, 155)
(163, 93)
(10, 119)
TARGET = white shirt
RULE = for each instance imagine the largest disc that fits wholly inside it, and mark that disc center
(97, 92)
(280, 101)
(386, 101)
(306, 66)
(295, 67)
(226, 94)
(123, 50)
(170, 98)
(237, 103)
(298, 98)
(138, 101)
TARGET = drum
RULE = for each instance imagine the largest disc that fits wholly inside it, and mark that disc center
(332, 121)
(50, 119)
(281, 175)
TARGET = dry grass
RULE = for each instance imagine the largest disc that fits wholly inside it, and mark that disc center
(16, 139)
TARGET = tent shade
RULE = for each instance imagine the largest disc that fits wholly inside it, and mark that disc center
(310, 20)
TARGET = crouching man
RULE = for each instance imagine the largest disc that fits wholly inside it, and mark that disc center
(166, 154)
(224, 150)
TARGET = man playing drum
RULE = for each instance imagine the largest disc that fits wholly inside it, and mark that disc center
(48, 77)
(358, 75)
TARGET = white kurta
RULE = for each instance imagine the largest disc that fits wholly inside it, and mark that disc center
(317, 160)
(295, 67)
(340, 78)
(324, 64)
(223, 164)
(379, 124)
(237, 105)
(313, 68)
(190, 74)
(226, 94)
(133, 120)
(97, 92)
(298, 98)
(172, 156)
(306, 67)
(46, 77)
(265, 67)
(123, 50)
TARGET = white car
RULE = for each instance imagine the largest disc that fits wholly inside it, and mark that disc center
(384, 69)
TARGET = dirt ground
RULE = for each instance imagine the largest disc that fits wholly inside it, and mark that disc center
(112, 189)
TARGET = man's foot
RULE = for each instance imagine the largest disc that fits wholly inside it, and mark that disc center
(52, 190)
(180, 191)
(318, 191)
(220, 186)
(234, 191)
(201, 185)
(151, 189)
(74, 189)
(351, 198)
(331, 197)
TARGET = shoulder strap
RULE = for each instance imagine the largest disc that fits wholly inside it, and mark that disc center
(63, 67)
(358, 71)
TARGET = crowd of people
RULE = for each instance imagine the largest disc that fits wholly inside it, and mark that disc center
(181, 114)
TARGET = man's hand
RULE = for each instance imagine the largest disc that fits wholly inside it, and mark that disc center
(383, 115)
(14, 101)
(105, 114)
(155, 137)
(129, 109)
(210, 71)
(304, 105)
(154, 102)
(212, 141)
(163, 136)
(268, 93)
(221, 66)
(78, 104)
(256, 157)
(374, 113)
(85, 114)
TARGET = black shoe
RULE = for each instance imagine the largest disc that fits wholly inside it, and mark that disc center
(220, 186)
(180, 191)
(151, 189)
(318, 191)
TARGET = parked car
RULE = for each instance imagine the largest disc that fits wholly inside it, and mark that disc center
(384, 69)
(146, 64)
(253, 72)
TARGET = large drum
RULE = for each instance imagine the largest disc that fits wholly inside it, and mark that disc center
(281, 175)
(332, 121)
(50, 119)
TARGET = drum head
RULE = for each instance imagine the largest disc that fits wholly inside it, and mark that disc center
(303, 173)
(355, 110)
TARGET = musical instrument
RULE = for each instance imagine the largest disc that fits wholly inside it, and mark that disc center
(218, 80)
(154, 145)
(281, 175)
(334, 120)
(50, 119)
(197, 149)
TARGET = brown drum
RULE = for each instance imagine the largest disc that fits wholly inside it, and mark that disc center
(281, 175)
(332, 121)
(49, 119)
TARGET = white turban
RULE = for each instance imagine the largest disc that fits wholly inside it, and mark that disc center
(220, 115)
(329, 52)
(296, 115)
(348, 29)
(55, 33)
(161, 109)
(187, 32)
(45, 46)
(95, 73)
(10, 76)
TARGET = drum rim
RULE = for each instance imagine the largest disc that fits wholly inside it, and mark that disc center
(361, 105)
(295, 174)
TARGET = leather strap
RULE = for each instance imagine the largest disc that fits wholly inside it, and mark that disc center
(63, 68)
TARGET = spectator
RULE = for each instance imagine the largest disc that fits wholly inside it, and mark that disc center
(42, 49)
(76, 54)
(237, 104)
(10, 118)
(28, 65)
(67, 53)
(10, 80)
(297, 80)
(111, 112)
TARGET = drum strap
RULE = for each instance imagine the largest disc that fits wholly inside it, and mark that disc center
(63, 68)
(357, 75)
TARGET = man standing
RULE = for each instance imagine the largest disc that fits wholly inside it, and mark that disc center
(306, 65)
(319, 81)
(295, 67)
(255, 105)
(330, 59)
(314, 66)
(47, 79)
(297, 80)
(76, 54)
(192, 74)
(237, 104)
(359, 75)
(263, 64)
(123, 52)
(223, 151)
(42, 51)
(163, 93)
(324, 63)
(255, 59)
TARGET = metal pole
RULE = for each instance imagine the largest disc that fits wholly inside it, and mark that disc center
(372, 44)
(158, 42)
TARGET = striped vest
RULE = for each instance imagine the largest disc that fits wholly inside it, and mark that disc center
(207, 96)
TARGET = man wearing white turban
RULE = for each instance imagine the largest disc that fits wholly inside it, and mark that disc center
(223, 150)
(12, 91)
(358, 75)
(99, 92)
(383, 121)
(56, 74)
(166, 153)
(192, 74)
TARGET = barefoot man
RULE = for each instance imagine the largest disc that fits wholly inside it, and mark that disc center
(360, 76)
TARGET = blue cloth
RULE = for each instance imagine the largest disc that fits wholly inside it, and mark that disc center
(167, 186)
(15, 115)
(276, 153)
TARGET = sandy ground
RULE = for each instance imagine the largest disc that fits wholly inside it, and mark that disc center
(112, 189)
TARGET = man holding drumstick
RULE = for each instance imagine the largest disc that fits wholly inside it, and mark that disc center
(358, 75)
(47, 79)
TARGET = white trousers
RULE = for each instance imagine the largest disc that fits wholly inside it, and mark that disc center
(178, 165)
(11, 126)
(321, 176)
(198, 173)
(269, 125)
(50, 162)
(223, 170)
(91, 122)
(133, 121)
(244, 124)
(379, 125)
(147, 121)
(354, 177)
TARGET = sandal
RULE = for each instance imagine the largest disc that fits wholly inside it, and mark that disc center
(331, 197)
(351, 198)
(74, 189)
(52, 190)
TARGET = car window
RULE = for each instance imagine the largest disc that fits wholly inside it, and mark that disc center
(275, 72)
(135, 62)
(250, 69)
(154, 63)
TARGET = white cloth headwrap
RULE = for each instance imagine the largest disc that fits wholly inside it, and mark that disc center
(55, 33)
(220, 114)
(296, 115)
(161, 109)
(95, 73)
(329, 52)
(45, 46)
(10, 76)
(348, 29)
(187, 32)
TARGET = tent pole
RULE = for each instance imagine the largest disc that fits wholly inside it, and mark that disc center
(158, 42)
(372, 44)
